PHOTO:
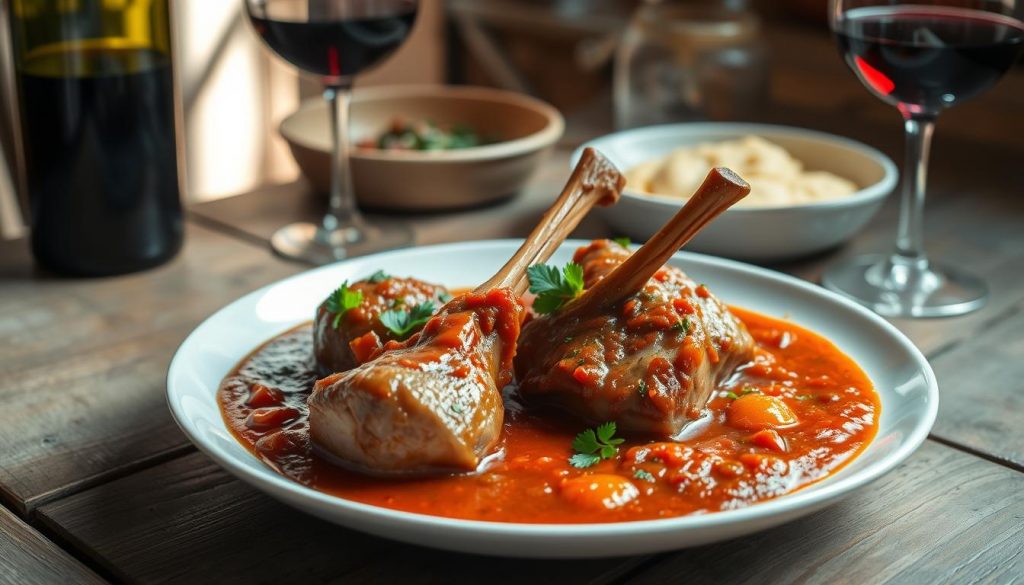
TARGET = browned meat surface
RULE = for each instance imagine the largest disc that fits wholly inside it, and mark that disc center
(643, 344)
(331, 344)
(434, 404)
(649, 363)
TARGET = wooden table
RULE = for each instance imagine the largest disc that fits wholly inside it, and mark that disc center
(99, 485)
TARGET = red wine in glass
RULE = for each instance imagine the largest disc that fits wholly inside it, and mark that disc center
(341, 46)
(335, 40)
(926, 58)
(921, 56)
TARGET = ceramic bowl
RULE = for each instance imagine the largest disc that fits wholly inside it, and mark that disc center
(755, 233)
(524, 129)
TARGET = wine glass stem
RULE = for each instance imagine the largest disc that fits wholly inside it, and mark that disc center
(910, 234)
(342, 211)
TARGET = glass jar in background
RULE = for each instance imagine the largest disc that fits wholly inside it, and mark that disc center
(680, 62)
(98, 126)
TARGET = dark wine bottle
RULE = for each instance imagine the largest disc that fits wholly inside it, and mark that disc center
(97, 113)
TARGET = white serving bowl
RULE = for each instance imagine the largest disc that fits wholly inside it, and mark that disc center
(754, 233)
(525, 129)
(901, 375)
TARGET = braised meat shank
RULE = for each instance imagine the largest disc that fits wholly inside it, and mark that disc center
(333, 337)
(433, 403)
(649, 362)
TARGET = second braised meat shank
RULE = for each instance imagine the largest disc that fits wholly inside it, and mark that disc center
(649, 362)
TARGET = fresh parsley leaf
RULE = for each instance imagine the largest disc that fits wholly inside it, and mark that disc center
(554, 288)
(543, 277)
(379, 276)
(583, 460)
(746, 390)
(404, 323)
(586, 442)
(573, 273)
(341, 300)
(593, 445)
(644, 475)
(606, 433)
(623, 241)
(681, 326)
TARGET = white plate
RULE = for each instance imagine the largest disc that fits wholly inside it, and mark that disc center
(754, 233)
(900, 373)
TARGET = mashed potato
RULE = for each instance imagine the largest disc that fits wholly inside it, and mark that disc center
(775, 177)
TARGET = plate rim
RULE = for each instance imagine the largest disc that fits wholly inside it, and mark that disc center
(828, 489)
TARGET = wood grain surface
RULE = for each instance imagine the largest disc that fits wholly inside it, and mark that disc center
(982, 392)
(920, 523)
(83, 361)
(141, 528)
(942, 517)
(29, 558)
(257, 215)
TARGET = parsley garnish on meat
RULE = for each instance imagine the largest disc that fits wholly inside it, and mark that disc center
(554, 288)
(681, 326)
(644, 475)
(746, 390)
(379, 276)
(404, 323)
(341, 300)
(623, 241)
(593, 445)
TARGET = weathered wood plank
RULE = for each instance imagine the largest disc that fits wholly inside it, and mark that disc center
(82, 362)
(957, 518)
(260, 213)
(28, 558)
(187, 521)
(942, 517)
(982, 392)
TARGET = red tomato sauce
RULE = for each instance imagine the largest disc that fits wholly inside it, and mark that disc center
(798, 412)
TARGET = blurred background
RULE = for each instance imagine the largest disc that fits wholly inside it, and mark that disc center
(234, 93)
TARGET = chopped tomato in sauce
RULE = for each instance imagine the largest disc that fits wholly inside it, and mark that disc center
(796, 413)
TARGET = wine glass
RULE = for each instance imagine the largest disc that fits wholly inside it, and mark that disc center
(335, 40)
(922, 57)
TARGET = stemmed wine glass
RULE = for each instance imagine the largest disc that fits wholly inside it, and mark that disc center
(335, 40)
(921, 56)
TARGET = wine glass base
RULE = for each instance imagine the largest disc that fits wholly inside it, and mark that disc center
(313, 244)
(904, 289)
